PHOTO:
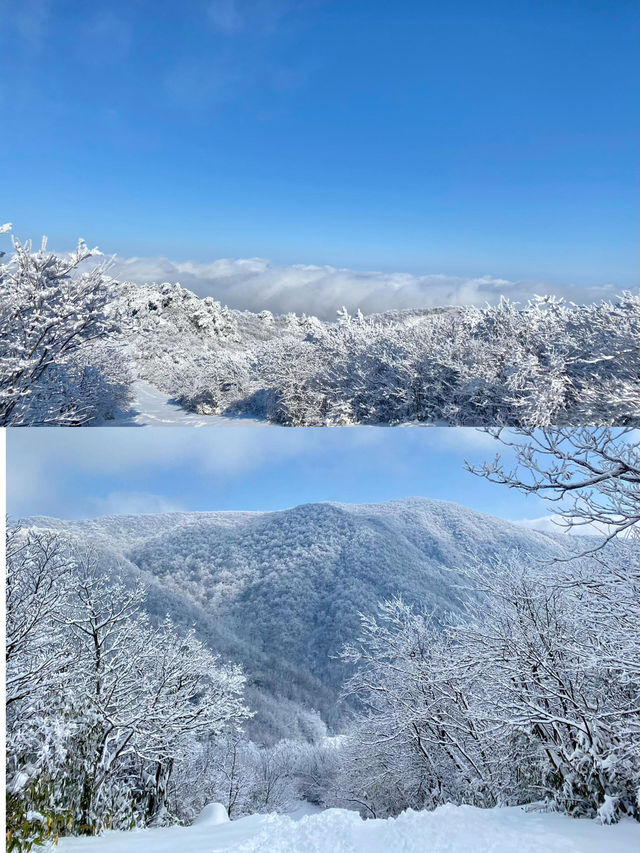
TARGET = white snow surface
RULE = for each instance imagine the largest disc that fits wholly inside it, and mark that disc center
(448, 829)
(152, 407)
(213, 814)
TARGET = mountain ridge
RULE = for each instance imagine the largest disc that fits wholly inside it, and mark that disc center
(281, 591)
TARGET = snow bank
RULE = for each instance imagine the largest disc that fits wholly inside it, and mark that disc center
(448, 829)
(213, 814)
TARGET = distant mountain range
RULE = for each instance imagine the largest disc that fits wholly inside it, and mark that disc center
(280, 592)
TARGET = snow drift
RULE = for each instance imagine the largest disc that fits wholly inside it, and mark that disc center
(449, 829)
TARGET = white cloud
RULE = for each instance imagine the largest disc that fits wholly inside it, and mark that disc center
(221, 450)
(257, 284)
(556, 524)
(465, 439)
(191, 83)
(39, 461)
(102, 471)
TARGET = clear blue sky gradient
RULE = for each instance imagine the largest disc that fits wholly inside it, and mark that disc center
(92, 472)
(466, 137)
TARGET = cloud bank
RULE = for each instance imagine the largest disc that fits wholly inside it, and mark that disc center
(557, 524)
(67, 474)
(256, 284)
(95, 471)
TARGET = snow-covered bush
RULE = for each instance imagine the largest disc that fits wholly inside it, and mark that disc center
(548, 362)
(209, 385)
(91, 387)
(52, 315)
(250, 778)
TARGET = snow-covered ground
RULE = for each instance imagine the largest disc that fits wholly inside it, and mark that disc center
(152, 407)
(449, 829)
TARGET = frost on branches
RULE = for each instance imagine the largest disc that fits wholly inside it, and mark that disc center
(533, 696)
(507, 674)
(534, 693)
(59, 363)
(590, 475)
(74, 338)
(546, 363)
(101, 703)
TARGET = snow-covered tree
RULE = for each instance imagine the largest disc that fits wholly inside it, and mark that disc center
(51, 312)
(102, 702)
(534, 691)
(37, 658)
(533, 695)
(562, 680)
(591, 476)
(426, 743)
(547, 362)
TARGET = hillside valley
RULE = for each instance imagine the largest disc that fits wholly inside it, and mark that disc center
(281, 592)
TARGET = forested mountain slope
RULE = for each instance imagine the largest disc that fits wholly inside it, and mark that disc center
(280, 592)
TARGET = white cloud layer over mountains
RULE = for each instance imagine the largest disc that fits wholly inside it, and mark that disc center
(256, 284)
(557, 524)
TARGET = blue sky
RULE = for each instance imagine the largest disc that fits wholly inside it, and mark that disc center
(464, 138)
(91, 472)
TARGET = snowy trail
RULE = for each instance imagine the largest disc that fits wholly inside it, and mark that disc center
(154, 408)
(449, 829)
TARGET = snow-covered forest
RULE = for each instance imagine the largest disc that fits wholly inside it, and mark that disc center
(374, 658)
(74, 340)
